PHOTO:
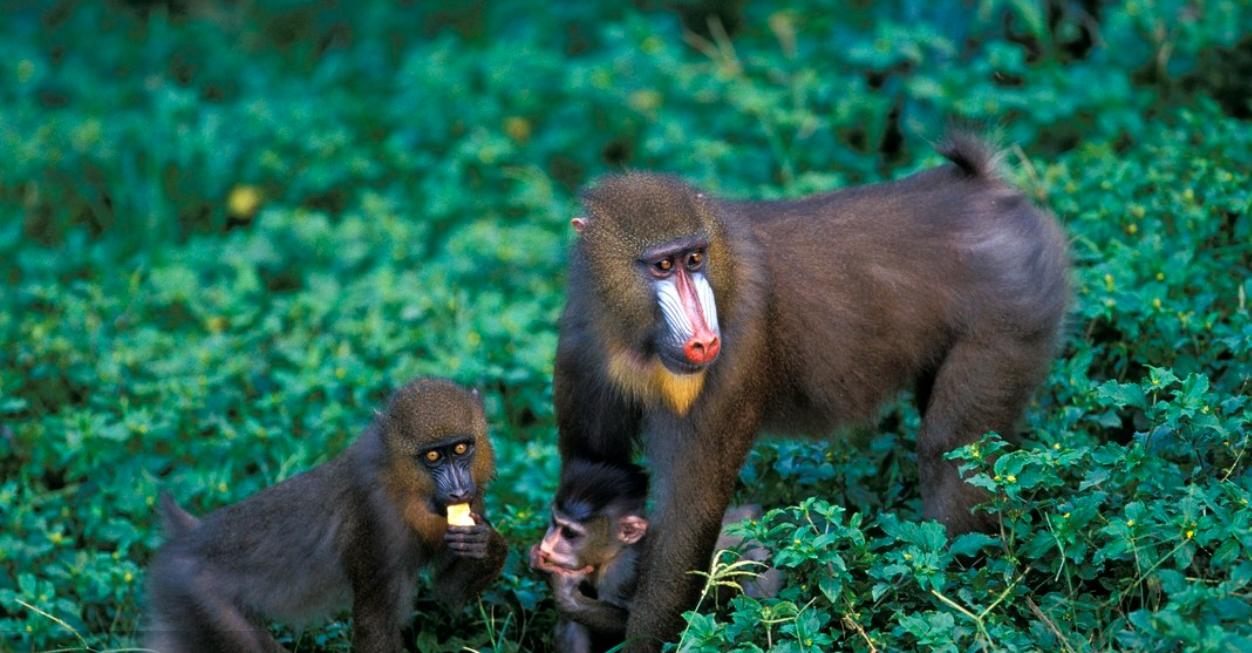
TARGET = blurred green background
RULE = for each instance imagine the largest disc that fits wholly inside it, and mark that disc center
(227, 230)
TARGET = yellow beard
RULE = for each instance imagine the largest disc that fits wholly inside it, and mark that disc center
(650, 381)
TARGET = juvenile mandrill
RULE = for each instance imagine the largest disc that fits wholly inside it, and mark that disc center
(352, 532)
(591, 552)
(692, 323)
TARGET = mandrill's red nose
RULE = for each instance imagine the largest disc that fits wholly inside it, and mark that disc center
(702, 349)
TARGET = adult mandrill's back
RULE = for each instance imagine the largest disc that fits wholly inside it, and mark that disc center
(875, 286)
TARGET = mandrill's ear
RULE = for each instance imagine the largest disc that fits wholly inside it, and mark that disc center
(578, 224)
(631, 528)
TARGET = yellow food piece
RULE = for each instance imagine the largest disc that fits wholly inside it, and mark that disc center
(459, 515)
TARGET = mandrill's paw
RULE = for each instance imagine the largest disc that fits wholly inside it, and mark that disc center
(567, 589)
(469, 541)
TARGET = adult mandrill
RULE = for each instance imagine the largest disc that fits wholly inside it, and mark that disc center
(352, 532)
(692, 323)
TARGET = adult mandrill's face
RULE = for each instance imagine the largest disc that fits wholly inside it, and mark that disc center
(651, 247)
(686, 337)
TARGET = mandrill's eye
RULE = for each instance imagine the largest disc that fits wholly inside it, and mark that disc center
(431, 456)
(694, 260)
(663, 267)
(460, 449)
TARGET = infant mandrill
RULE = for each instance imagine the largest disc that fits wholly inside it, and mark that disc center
(352, 532)
(591, 555)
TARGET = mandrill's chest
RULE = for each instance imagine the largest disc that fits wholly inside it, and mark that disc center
(647, 380)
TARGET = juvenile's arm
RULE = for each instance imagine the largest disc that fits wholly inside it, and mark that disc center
(600, 616)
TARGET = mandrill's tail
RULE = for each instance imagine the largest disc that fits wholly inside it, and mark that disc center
(174, 520)
(971, 153)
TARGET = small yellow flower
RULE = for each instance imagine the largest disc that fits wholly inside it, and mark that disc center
(221, 487)
(1156, 303)
(150, 501)
(908, 556)
(1132, 228)
(1109, 303)
(1012, 478)
(25, 70)
(1188, 195)
(128, 577)
(1190, 533)
(56, 538)
(340, 372)
(1065, 516)
(1160, 276)
(1108, 281)
(645, 100)
(1204, 409)
(996, 477)
(1056, 446)
(243, 200)
(1130, 522)
(518, 128)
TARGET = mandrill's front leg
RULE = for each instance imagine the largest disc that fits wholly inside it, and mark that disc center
(686, 522)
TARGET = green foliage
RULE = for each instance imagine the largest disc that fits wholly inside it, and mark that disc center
(226, 234)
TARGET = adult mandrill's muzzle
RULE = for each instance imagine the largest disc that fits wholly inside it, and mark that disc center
(690, 315)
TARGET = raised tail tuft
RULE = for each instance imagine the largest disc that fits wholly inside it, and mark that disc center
(174, 520)
(973, 155)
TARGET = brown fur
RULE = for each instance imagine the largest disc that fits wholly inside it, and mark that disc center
(594, 601)
(352, 532)
(948, 283)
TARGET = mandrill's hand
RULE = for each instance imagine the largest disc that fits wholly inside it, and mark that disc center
(469, 541)
(565, 589)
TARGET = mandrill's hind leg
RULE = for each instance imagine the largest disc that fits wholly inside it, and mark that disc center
(980, 386)
(192, 616)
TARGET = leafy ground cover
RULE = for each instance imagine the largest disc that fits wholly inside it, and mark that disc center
(226, 233)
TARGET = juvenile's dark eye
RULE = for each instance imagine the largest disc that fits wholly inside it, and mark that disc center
(663, 266)
(694, 260)
(460, 449)
(431, 456)
(568, 533)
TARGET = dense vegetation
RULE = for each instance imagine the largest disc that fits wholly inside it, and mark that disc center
(226, 233)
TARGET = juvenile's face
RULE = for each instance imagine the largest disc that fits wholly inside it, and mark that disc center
(439, 429)
(450, 465)
(574, 545)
